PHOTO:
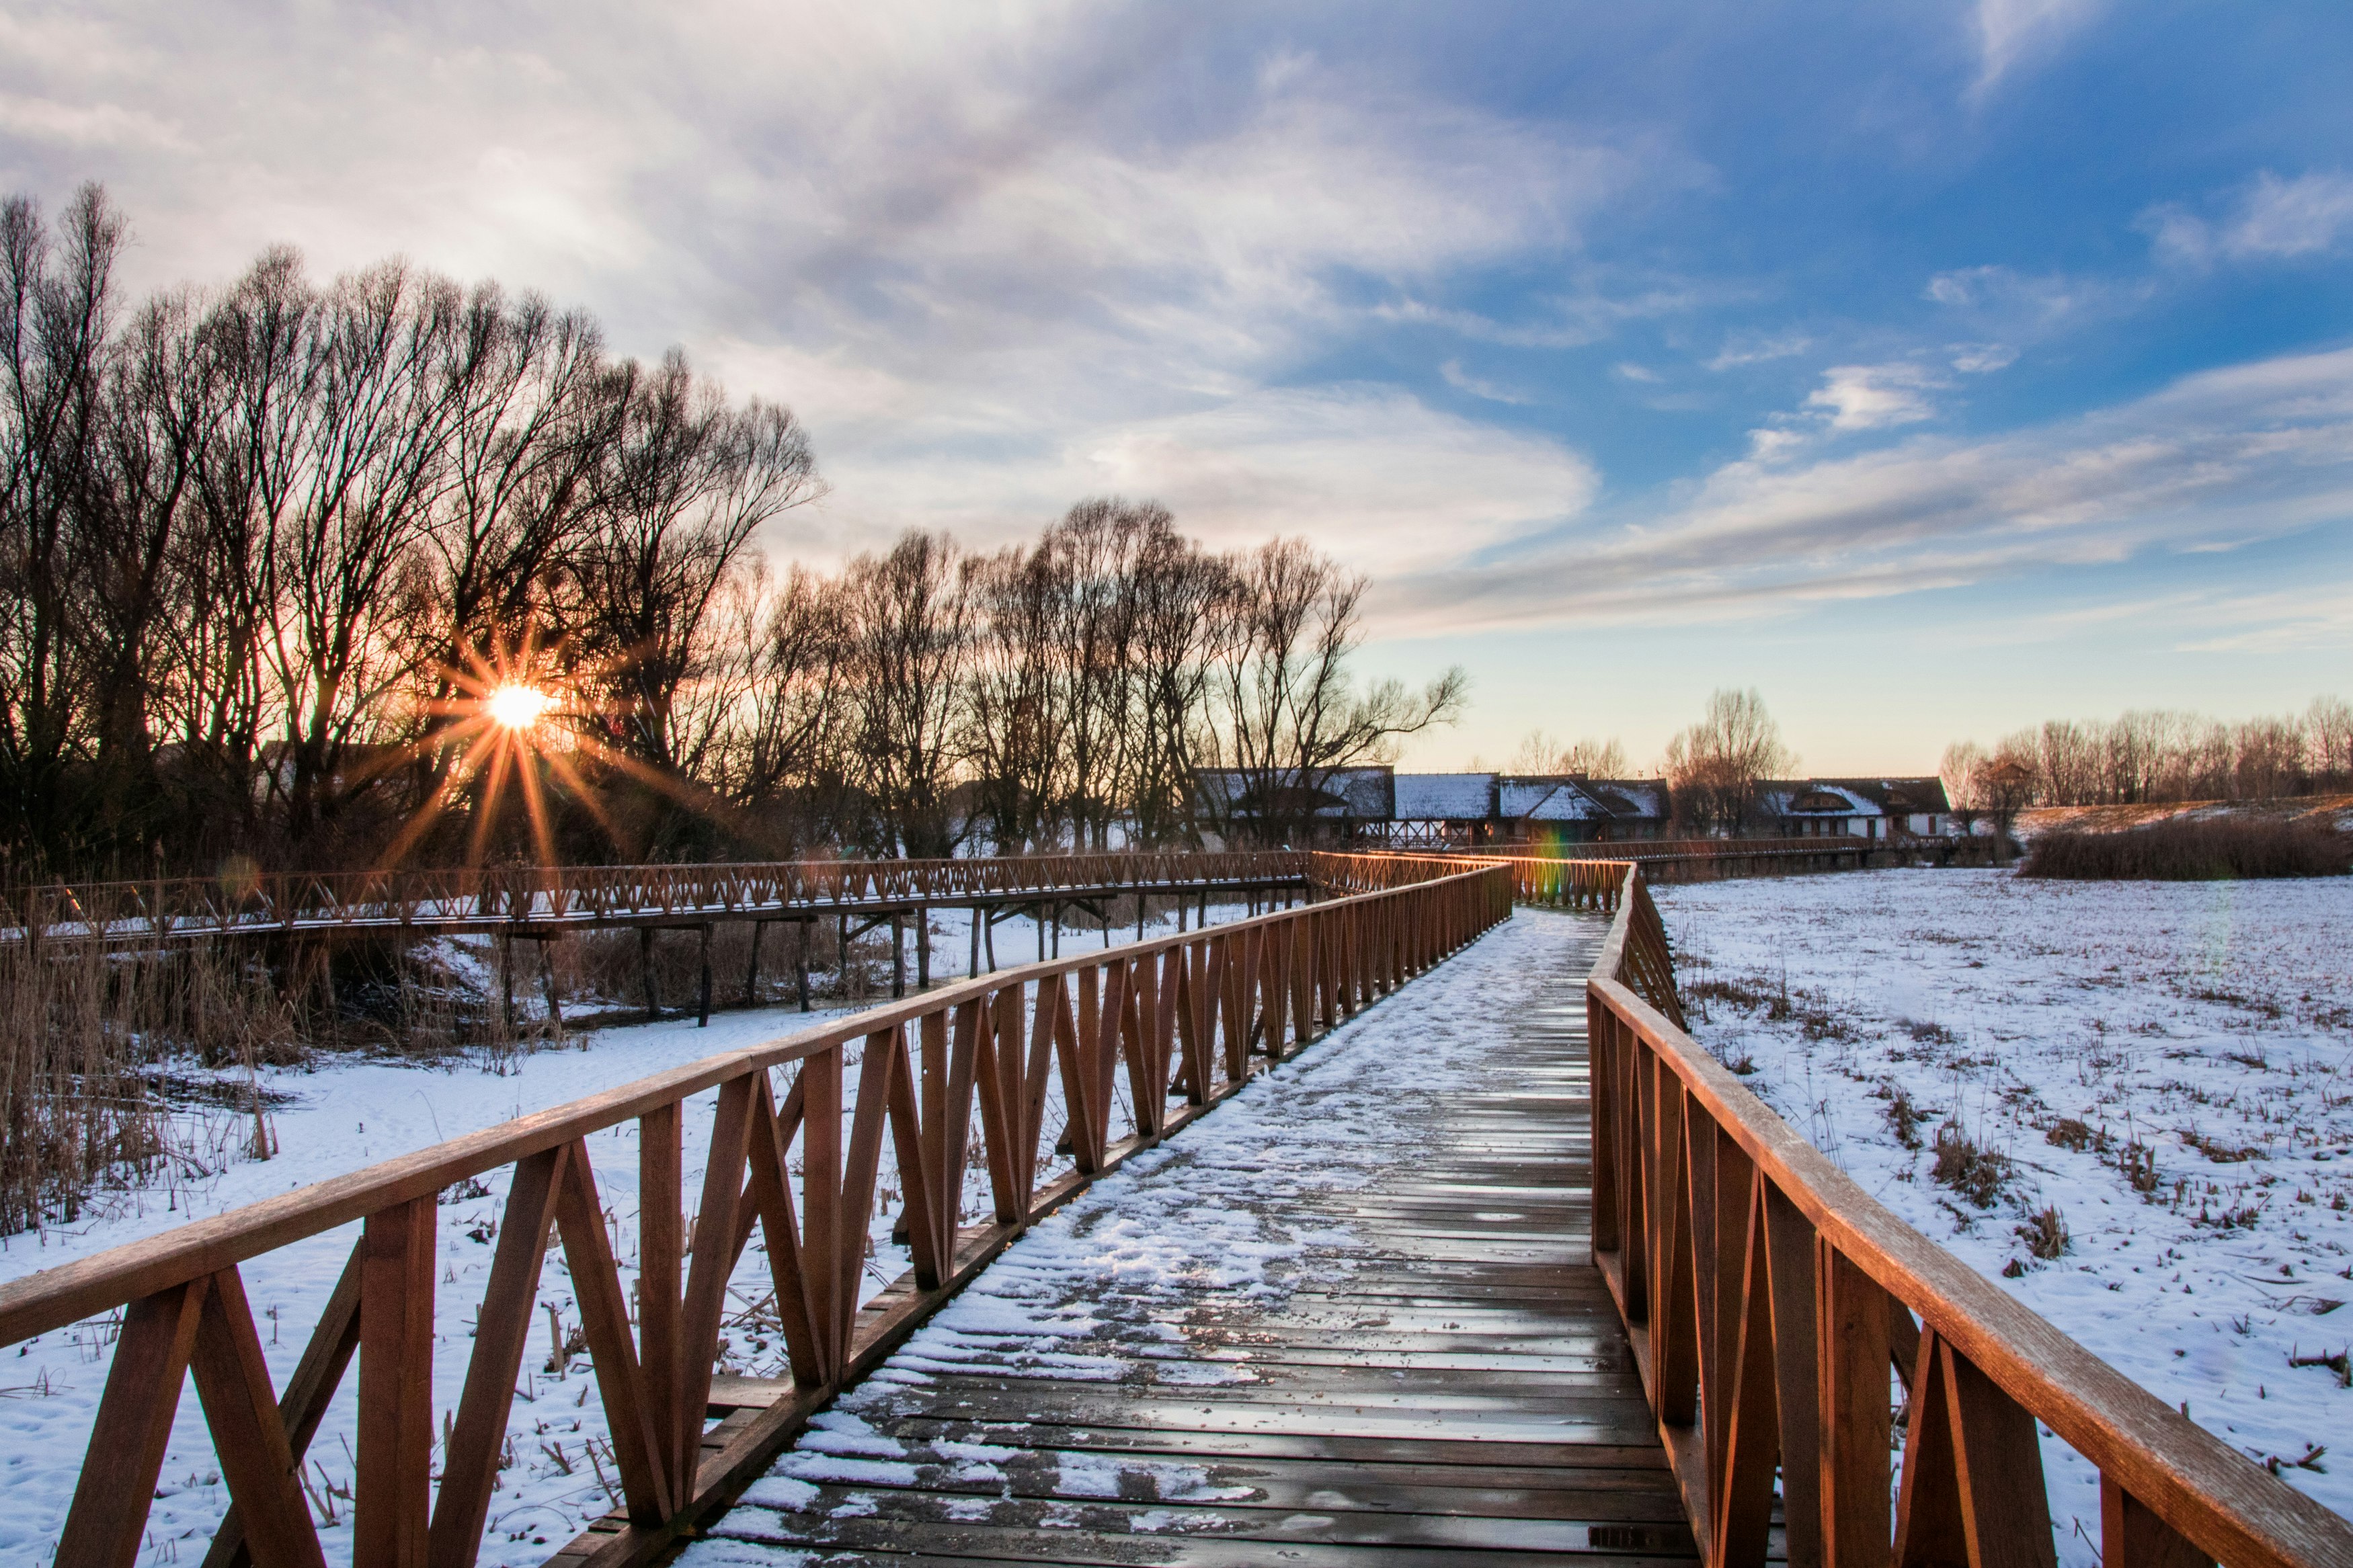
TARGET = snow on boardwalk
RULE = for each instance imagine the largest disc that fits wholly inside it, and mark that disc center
(2164, 1065)
(1350, 1316)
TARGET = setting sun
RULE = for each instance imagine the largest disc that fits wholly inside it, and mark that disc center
(518, 707)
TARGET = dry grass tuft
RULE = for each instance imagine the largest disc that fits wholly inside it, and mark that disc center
(2045, 1234)
(1975, 1172)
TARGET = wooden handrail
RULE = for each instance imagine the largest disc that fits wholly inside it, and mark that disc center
(1766, 1295)
(1189, 1017)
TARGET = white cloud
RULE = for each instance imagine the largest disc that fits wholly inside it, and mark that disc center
(2308, 619)
(1875, 397)
(1756, 348)
(2267, 218)
(1587, 315)
(1982, 359)
(1629, 371)
(1456, 376)
(2011, 34)
(2221, 458)
(84, 126)
(1386, 483)
(2033, 301)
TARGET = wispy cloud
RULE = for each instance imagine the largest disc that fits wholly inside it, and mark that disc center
(1457, 377)
(2267, 218)
(2012, 34)
(2223, 458)
(1390, 484)
(1756, 348)
(1982, 359)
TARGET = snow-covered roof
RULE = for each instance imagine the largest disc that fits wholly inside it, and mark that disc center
(1810, 797)
(1641, 799)
(1545, 800)
(1361, 794)
(1448, 797)
(1897, 796)
(1853, 797)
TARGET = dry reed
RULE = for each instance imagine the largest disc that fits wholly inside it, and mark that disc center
(2188, 849)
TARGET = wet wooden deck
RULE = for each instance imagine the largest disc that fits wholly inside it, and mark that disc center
(1461, 1392)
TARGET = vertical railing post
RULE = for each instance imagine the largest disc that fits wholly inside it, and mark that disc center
(1855, 1421)
(662, 1246)
(1602, 1087)
(393, 1494)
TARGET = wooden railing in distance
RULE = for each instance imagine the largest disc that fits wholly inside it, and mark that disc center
(1641, 849)
(488, 897)
(1766, 1294)
(1187, 1019)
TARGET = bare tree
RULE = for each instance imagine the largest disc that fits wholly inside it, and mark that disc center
(1963, 762)
(685, 487)
(1713, 767)
(1284, 714)
(1179, 588)
(1539, 752)
(56, 317)
(2005, 786)
(2329, 725)
(786, 775)
(910, 622)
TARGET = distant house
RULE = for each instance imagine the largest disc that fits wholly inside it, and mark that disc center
(1377, 806)
(1469, 810)
(1284, 803)
(1857, 808)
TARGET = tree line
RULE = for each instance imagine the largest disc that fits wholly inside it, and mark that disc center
(2155, 755)
(266, 548)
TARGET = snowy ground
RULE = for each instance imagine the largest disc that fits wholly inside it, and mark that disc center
(342, 1113)
(2166, 1065)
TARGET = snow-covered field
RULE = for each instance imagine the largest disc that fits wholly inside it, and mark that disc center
(342, 1113)
(2168, 1067)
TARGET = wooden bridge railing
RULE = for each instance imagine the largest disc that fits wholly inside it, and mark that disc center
(485, 898)
(1766, 1295)
(1187, 1018)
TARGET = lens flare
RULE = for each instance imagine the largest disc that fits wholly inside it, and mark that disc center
(517, 707)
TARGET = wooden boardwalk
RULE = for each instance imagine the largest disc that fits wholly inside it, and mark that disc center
(1440, 1377)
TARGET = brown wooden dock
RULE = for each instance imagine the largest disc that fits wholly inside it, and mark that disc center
(1442, 1378)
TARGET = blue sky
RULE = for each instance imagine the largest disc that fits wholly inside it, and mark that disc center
(1933, 368)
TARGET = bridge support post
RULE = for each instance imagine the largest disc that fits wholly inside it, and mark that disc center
(646, 970)
(547, 984)
(971, 963)
(898, 954)
(703, 1006)
(922, 947)
(751, 969)
(800, 961)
